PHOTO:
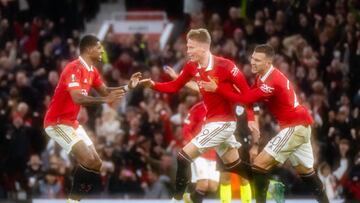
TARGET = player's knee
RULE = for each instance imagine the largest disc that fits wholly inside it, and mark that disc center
(213, 186)
(92, 162)
(202, 186)
(225, 178)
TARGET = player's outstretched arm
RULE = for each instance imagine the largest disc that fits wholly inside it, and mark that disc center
(172, 86)
(82, 99)
(147, 83)
(250, 97)
(191, 84)
(103, 90)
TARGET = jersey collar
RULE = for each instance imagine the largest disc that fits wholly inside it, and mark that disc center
(263, 78)
(82, 61)
(210, 63)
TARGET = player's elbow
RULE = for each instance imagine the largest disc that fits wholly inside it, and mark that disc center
(78, 100)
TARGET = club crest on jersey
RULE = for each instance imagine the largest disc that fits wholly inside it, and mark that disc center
(84, 92)
(216, 79)
(267, 89)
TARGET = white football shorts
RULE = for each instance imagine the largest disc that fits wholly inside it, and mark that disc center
(219, 135)
(293, 143)
(66, 136)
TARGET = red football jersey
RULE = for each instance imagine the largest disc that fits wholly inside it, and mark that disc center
(76, 75)
(278, 94)
(223, 71)
(192, 126)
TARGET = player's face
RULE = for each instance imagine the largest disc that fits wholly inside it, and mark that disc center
(259, 62)
(96, 52)
(195, 50)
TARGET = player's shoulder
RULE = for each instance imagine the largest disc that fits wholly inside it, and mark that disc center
(190, 64)
(226, 66)
(200, 106)
(278, 77)
(72, 67)
(223, 62)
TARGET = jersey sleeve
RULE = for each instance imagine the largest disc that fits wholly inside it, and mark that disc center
(240, 82)
(173, 86)
(72, 80)
(97, 79)
(255, 94)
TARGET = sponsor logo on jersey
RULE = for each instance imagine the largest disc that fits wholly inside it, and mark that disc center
(74, 84)
(267, 89)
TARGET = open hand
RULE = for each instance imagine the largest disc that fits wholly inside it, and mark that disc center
(210, 86)
(170, 71)
(134, 80)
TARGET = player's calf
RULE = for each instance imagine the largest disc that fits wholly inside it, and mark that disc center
(86, 182)
(261, 183)
(313, 181)
(183, 174)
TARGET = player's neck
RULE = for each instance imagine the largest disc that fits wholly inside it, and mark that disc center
(262, 73)
(204, 62)
(87, 60)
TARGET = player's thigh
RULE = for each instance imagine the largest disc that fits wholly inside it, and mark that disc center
(303, 170)
(265, 161)
(286, 142)
(303, 157)
(90, 155)
(213, 135)
(230, 155)
(64, 135)
(228, 150)
(192, 150)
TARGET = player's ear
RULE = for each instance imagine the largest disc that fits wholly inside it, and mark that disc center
(89, 49)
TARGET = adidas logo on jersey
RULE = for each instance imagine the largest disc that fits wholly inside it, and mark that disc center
(235, 71)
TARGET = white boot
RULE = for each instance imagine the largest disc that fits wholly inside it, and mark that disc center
(173, 200)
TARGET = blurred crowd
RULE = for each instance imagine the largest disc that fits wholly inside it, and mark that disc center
(318, 48)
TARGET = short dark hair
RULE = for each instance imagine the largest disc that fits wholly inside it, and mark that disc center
(200, 35)
(87, 41)
(266, 49)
